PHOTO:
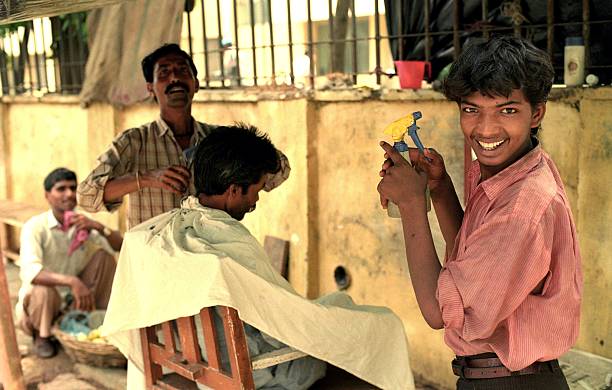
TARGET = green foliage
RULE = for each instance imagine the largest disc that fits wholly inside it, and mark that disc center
(75, 25)
(8, 29)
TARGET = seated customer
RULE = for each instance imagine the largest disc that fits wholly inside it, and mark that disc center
(200, 255)
(62, 251)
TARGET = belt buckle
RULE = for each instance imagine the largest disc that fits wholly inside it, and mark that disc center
(458, 368)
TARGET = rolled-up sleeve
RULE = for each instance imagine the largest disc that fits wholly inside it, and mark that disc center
(30, 252)
(276, 179)
(502, 262)
(114, 162)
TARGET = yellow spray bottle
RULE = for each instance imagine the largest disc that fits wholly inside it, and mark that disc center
(397, 130)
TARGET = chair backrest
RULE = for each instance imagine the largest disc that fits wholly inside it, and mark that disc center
(278, 252)
(184, 359)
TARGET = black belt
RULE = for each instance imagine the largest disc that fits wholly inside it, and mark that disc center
(485, 366)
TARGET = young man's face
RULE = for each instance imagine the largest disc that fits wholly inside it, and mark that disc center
(173, 82)
(62, 196)
(498, 128)
(239, 203)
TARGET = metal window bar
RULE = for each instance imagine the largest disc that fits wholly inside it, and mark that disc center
(36, 62)
(189, 39)
(310, 45)
(426, 20)
(586, 32)
(291, 75)
(3, 65)
(205, 42)
(354, 24)
(330, 21)
(377, 40)
(254, 51)
(236, 45)
(26, 54)
(271, 24)
(550, 28)
(485, 18)
(44, 54)
(220, 41)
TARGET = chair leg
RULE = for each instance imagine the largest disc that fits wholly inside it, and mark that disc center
(153, 372)
(237, 349)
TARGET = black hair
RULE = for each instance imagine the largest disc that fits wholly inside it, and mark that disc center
(56, 175)
(238, 154)
(148, 63)
(498, 66)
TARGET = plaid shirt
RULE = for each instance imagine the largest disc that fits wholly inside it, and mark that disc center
(148, 147)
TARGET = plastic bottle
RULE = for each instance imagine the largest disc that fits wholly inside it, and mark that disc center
(573, 69)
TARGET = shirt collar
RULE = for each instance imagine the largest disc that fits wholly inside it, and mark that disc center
(502, 180)
(163, 128)
(52, 222)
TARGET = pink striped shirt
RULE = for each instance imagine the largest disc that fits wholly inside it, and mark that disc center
(517, 230)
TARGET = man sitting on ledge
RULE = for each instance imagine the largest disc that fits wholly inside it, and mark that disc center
(62, 252)
(201, 255)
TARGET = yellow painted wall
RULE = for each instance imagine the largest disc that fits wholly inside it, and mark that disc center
(329, 207)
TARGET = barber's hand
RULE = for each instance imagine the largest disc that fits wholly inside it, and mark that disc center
(175, 179)
(401, 182)
(81, 222)
(83, 297)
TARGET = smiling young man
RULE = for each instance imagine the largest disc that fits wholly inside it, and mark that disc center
(51, 265)
(508, 295)
(151, 163)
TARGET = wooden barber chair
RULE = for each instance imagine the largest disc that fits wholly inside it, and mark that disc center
(173, 355)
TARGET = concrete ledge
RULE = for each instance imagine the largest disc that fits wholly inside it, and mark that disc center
(286, 92)
(48, 98)
(250, 94)
(411, 94)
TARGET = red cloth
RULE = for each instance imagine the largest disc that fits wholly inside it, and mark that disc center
(517, 230)
(79, 237)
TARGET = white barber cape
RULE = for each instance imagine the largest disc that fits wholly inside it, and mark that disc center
(177, 263)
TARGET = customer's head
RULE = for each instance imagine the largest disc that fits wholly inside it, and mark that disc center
(171, 76)
(60, 189)
(234, 161)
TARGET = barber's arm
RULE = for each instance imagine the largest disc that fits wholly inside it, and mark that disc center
(174, 179)
(111, 164)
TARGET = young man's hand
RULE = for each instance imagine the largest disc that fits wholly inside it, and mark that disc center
(432, 163)
(175, 179)
(81, 222)
(83, 297)
(401, 183)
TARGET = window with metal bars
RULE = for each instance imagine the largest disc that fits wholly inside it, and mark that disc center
(46, 55)
(300, 43)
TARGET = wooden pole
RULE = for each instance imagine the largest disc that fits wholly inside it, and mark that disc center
(10, 359)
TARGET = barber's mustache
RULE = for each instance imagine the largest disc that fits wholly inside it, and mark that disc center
(177, 84)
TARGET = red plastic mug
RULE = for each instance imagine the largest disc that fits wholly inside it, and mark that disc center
(411, 73)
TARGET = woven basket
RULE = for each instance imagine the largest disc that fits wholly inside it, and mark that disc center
(87, 352)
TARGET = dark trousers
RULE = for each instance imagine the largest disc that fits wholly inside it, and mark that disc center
(545, 380)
